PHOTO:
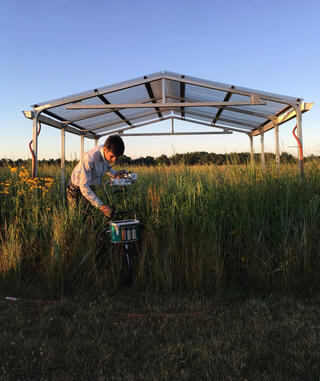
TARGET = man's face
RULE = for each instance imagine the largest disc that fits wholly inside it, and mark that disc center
(110, 156)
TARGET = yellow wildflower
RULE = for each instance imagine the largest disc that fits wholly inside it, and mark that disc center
(13, 169)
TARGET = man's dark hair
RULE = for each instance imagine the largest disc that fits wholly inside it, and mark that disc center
(115, 144)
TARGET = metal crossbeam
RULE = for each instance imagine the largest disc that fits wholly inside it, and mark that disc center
(105, 112)
(238, 110)
(224, 128)
(178, 133)
(253, 102)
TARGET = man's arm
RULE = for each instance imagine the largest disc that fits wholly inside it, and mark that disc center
(85, 179)
(116, 174)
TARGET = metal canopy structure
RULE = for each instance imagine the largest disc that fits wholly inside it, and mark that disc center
(126, 106)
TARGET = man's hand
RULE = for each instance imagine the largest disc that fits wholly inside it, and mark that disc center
(109, 212)
(119, 174)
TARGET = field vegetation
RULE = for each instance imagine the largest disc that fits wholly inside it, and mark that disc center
(235, 244)
(204, 228)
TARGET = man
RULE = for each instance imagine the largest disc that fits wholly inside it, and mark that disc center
(96, 163)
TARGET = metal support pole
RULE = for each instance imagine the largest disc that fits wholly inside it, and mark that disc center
(251, 150)
(35, 145)
(82, 149)
(172, 126)
(163, 91)
(63, 157)
(263, 162)
(276, 135)
(96, 142)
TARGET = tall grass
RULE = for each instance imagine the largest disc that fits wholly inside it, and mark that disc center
(203, 228)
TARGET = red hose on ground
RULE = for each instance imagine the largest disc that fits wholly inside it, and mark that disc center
(32, 153)
(299, 143)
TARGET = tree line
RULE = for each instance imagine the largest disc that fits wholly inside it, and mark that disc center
(189, 158)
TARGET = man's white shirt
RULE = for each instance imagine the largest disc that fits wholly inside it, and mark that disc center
(93, 167)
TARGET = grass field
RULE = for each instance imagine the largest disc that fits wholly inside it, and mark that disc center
(93, 338)
(202, 228)
(237, 245)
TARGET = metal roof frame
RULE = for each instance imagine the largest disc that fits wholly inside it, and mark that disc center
(118, 108)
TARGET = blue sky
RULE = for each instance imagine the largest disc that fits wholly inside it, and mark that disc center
(51, 49)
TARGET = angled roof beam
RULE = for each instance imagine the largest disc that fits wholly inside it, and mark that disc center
(113, 131)
(282, 118)
(239, 110)
(238, 122)
(151, 96)
(225, 128)
(274, 118)
(194, 113)
(114, 128)
(121, 132)
(118, 113)
(182, 95)
(226, 99)
(54, 123)
(53, 115)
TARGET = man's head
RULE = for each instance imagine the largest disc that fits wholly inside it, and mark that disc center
(113, 148)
